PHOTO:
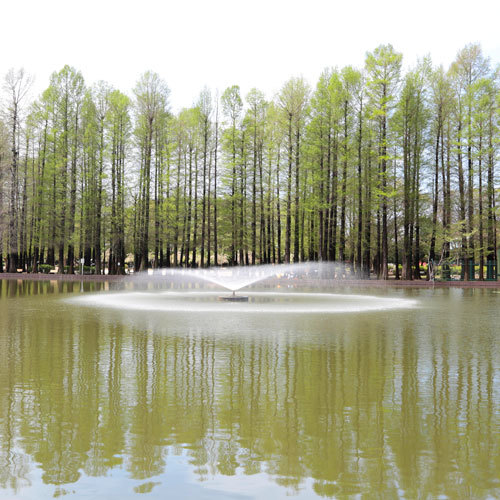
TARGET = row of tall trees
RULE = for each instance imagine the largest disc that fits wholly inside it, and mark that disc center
(372, 167)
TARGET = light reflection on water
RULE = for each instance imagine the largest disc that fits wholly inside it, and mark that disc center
(108, 404)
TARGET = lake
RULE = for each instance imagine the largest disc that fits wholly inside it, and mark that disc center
(102, 401)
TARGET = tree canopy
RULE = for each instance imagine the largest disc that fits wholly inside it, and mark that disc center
(375, 167)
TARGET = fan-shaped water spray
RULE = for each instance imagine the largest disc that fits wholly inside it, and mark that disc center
(238, 277)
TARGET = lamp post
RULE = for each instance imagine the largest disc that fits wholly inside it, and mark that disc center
(82, 261)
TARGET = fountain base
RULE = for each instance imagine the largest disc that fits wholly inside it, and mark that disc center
(233, 298)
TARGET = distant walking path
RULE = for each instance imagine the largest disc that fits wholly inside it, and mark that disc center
(395, 283)
(63, 277)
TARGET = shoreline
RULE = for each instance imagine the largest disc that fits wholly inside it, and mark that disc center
(102, 278)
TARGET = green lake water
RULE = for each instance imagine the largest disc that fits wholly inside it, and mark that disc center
(111, 400)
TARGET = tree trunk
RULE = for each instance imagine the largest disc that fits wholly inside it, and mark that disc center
(288, 229)
(432, 249)
(360, 196)
(385, 251)
(296, 248)
(342, 242)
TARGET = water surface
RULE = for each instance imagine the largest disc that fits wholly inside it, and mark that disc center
(101, 402)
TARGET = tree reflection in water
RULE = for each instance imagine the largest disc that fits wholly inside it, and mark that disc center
(387, 404)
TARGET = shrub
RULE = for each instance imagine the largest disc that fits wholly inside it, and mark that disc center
(88, 269)
(44, 268)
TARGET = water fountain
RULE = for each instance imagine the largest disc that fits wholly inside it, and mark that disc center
(295, 288)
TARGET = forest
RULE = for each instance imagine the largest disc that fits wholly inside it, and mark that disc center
(382, 169)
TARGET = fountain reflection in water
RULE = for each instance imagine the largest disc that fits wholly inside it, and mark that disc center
(192, 290)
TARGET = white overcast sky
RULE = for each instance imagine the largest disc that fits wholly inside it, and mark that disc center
(251, 43)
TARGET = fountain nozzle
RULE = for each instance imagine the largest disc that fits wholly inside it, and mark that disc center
(233, 298)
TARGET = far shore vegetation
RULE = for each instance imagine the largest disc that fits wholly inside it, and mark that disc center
(392, 172)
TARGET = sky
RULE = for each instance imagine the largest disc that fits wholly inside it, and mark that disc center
(218, 43)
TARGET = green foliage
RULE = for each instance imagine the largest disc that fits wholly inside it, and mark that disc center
(347, 166)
